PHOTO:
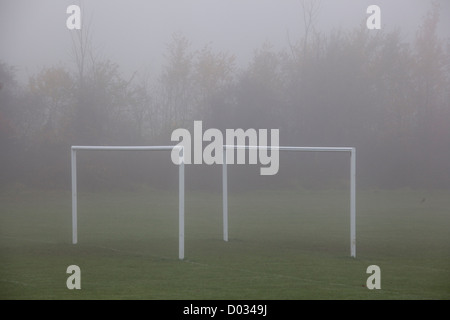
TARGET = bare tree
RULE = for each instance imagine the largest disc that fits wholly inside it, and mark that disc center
(310, 12)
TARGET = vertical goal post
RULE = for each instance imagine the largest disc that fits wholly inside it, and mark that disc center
(74, 150)
(352, 152)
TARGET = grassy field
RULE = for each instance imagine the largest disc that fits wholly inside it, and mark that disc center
(283, 245)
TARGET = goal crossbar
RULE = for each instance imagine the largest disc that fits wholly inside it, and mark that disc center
(74, 149)
(352, 152)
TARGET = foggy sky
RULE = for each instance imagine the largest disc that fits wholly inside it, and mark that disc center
(134, 33)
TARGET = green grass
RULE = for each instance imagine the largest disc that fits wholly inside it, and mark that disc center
(283, 245)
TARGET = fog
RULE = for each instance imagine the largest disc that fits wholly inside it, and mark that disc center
(369, 106)
(135, 33)
(311, 69)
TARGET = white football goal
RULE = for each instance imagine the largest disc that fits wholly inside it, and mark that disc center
(181, 227)
(131, 148)
(352, 152)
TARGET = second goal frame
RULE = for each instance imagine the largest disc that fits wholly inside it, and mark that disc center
(352, 152)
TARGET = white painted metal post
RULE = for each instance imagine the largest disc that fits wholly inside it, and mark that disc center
(225, 195)
(74, 196)
(181, 207)
(353, 203)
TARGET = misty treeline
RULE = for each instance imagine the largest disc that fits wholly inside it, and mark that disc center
(373, 90)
